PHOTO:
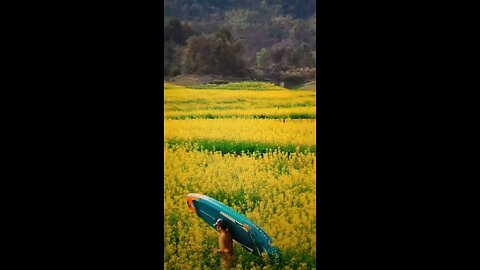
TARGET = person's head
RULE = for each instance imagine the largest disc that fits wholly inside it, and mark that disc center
(221, 224)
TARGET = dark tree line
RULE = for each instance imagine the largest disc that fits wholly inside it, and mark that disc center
(194, 9)
(240, 38)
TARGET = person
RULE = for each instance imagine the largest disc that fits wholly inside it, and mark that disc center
(225, 242)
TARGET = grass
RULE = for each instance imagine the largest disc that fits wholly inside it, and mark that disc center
(234, 147)
(246, 85)
(170, 86)
(309, 86)
(227, 114)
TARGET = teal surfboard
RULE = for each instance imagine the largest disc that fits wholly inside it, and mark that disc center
(244, 231)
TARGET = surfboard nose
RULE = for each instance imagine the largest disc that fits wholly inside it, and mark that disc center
(190, 199)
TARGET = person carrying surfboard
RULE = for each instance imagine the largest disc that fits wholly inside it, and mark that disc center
(225, 242)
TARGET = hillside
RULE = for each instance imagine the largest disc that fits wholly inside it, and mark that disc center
(244, 39)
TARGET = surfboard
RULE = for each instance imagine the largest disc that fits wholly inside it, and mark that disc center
(244, 231)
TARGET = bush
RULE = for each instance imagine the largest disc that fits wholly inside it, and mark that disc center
(291, 80)
(298, 76)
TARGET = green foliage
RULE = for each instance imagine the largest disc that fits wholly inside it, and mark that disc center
(245, 85)
(243, 18)
(292, 79)
(261, 60)
(232, 147)
(256, 116)
(224, 35)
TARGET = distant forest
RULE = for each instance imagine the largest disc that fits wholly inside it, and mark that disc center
(268, 40)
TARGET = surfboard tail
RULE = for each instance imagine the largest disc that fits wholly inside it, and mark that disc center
(275, 256)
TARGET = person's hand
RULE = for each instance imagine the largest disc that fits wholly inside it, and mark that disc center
(227, 251)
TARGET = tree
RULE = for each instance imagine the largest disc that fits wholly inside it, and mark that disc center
(175, 31)
(262, 59)
(221, 55)
(197, 56)
(224, 35)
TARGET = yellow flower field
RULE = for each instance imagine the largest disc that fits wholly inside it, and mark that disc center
(213, 96)
(217, 143)
(277, 192)
(183, 101)
(277, 132)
